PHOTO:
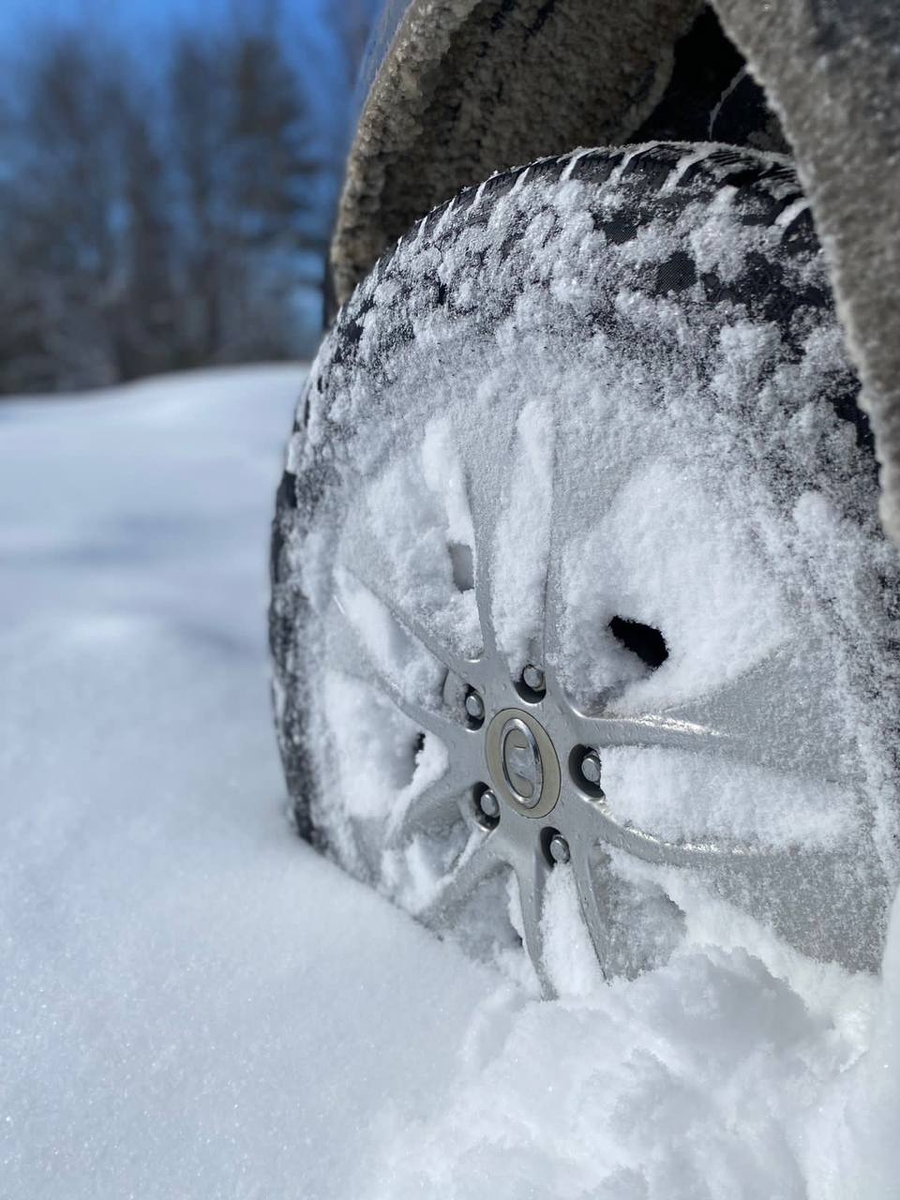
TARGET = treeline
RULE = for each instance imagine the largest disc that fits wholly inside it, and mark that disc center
(156, 219)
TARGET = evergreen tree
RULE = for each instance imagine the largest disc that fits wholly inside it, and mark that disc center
(61, 200)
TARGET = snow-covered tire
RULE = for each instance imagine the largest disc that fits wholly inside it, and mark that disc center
(593, 419)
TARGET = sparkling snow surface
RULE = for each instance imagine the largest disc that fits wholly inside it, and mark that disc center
(196, 1005)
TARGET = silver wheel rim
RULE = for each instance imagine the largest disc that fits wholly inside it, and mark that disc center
(570, 825)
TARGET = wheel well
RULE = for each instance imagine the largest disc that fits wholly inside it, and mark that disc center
(471, 87)
(481, 87)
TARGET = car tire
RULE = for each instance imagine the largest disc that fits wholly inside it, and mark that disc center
(584, 632)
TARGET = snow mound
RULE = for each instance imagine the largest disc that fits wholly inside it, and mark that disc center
(194, 1004)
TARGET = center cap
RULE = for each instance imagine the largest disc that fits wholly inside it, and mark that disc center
(523, 767)
(522, 762)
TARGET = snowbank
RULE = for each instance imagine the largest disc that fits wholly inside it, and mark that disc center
(196, 1005)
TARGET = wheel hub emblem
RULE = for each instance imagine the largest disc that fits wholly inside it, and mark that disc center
(522, 762)
(523, 767)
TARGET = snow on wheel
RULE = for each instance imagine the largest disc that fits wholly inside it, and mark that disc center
(582, 628)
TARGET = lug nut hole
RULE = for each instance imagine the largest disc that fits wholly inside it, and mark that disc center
(585, 769)
(474, 709)
(554, 846)
(487, 806)
(531, 685)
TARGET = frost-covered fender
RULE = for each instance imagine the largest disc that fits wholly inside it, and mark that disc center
(458, 89)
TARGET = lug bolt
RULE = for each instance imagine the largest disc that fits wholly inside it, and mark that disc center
(590, 767)
(559, 848)
(533, 678)
(489, 804)
(475, 706)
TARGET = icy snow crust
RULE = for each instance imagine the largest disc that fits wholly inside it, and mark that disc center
(194, 1004)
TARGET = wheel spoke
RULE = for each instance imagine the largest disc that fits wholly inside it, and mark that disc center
(802, 893)
(652, 729)
(595, 918)
(482, 505)
(483, 597)
(443, 727)
(531, 878)
(449, 731)
(630, 927)
(369, 671)
(471, 670)
(756, 739)
(477, 865)
(598, 826)
(427, 720)
(753, 720)
(439, 805)
(554, 595)
(650, 849)
(551, 633)
(758, 715)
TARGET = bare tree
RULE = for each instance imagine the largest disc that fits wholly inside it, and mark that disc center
(199, 121)
(151, 225)
(64, 183)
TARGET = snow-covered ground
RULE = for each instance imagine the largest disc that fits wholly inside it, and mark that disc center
(195, 1005)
